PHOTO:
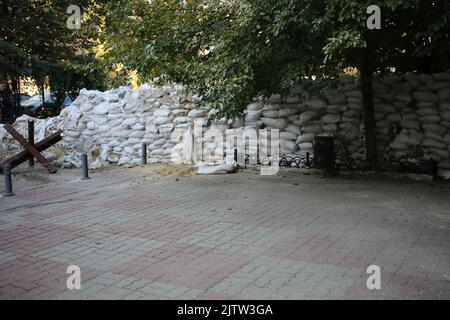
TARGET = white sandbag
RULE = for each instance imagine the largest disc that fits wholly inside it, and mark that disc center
(396, 145)
(287, 135)
(417, 134)
(179, 112)
(435, 128)
(444, 164)
(293, 128)
(99, 120)
(433, 119)
(196, 113)
(445, 105)
(129, 121)
(306, 137)
(291, 99)
(441, 153)
(335, 98)
(441, 76)
(305, 145)
(331, 118)
(124, 160)
(271, 114)
(352, 114)
(162, 120)
(275, 123)
(316, 103)
(432, 143)
(337, 107)
(330, 127)
(104, 128)
(151, 128)
(308, 116)
(275, 98)
(286, 112)
(180, 119)
(378, 116)
(288, 145)
(252, 115)
(168, 127)
(102, 108)
(158, 143)
(444, 94)
(354, 94)
(447, 139)
(425, 96)
(435, 136)
(226, 167)
(354, 106)
(272, 106)
(394, 117)
(348, 119)
(71, 134)
(402, 137)
(255, 106)
(237, 123)
(162, 112)
(314, 128)
(384, 108)
(404, 97)
(137, 127)
(427, 111)
(445, 115)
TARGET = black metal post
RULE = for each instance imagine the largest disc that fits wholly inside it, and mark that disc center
(235, 155)
(308, 162)
(8, 180)
(84, 165)
(144, 153)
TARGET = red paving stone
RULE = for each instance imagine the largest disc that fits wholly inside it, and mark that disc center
(162, 238)
(46, 193)
(186, 265)
(159, 227)
(33, 237)
(35, 278)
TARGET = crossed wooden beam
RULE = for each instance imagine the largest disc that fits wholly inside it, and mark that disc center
(31, 150)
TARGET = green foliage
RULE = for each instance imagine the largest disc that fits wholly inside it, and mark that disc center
(35, 31)
(228, 52)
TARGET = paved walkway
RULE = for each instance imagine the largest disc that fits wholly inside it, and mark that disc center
(240, 236)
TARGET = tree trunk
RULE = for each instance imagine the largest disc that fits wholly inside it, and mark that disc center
(43, 96)
(369, 110)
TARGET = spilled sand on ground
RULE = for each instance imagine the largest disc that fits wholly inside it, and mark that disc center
(174, 170)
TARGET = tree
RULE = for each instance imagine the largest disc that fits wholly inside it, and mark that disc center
(229, 51)
(36, 31)
(413, 37)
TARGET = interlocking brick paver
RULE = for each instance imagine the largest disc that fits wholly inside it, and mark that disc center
(99, 250)
(138, 236)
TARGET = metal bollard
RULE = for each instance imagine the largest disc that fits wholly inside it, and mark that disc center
(308, 162)
(144, 153)
(8, 180)
(84, 166)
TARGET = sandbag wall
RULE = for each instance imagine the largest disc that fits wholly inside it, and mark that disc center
(412, 114)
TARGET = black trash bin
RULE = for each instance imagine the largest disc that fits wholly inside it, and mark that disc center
(324, 154)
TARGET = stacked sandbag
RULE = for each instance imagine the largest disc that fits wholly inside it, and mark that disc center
(279, 113)
(42, 128)
(412, 114)
(111, 126)
(414, 107)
